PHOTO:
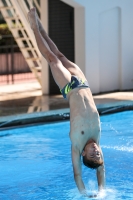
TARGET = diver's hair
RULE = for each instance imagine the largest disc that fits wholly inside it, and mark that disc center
(93, 164)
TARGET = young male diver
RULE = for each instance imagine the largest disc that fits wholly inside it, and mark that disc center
(84, 117)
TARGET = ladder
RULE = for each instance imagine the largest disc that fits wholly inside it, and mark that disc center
(15, 15)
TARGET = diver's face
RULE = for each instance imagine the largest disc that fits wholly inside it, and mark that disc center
(92, 151)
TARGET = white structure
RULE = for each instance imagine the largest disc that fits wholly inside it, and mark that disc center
(103, 43)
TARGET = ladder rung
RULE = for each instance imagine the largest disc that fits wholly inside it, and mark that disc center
(33, 58)
(22, 28)
(22, 38)
(6, 7)
(39, 68)
(27, 48)
(12, 18)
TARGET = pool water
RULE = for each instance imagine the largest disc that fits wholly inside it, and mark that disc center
(35, 162)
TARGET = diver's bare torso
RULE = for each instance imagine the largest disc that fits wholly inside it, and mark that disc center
(84, 118)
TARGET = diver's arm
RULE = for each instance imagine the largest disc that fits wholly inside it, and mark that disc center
(76, 161)
(101, 177)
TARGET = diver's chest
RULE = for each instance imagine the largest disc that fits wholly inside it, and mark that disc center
(82, 134)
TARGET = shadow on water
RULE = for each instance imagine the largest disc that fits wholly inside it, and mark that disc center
(5, 135)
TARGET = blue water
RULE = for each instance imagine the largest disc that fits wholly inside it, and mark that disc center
(35, 162)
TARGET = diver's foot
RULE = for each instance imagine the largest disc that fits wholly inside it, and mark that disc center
(32, 17)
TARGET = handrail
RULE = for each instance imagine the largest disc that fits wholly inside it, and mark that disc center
(18, 5)
(27, 4)
(37, 5)
(33, 3)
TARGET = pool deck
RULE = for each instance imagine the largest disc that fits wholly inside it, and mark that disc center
(23, 104)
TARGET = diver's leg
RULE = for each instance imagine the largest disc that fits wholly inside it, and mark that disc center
(70, 66)
(61, 75)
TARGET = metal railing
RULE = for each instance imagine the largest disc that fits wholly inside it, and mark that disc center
(13, 67)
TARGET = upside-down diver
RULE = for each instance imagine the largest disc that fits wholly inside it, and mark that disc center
(84, 118)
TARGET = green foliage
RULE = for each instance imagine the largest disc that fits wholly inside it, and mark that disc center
(4, 30)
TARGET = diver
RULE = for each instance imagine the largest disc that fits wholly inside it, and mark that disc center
(85, 127)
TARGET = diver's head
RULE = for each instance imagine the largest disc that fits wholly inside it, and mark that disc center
(92, 156)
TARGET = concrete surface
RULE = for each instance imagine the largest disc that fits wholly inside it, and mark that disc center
(16, 101)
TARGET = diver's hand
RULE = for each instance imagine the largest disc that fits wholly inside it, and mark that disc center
(90, 196)
(93, 196)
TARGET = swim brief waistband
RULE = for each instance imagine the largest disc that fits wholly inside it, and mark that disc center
(75, 83)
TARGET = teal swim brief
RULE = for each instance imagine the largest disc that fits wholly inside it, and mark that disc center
(75, 83)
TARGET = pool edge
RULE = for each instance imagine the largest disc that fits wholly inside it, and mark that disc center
(53, 115)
